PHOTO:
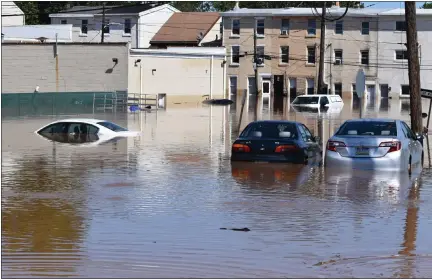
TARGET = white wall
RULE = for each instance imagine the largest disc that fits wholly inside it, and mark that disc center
(12, 15)
(151, 21)
(390, 40)
(211, 35)
(177, 74)
(94, 33)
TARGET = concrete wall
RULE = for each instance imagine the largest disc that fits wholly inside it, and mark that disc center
(395, 72)
(351, 42)
(297, 40)
(183, 77)
(81, 67)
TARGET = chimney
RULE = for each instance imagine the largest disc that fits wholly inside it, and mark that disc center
(337, 4)
(237, 5)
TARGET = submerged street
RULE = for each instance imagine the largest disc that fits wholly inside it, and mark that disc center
(153, 206)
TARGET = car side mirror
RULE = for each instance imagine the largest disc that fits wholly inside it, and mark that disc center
(418, 136)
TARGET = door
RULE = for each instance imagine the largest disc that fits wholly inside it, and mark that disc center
(251, 86)
(233, 86)
(293, 88)
(266, 87)
(312, 146)
(415, 148)
(278, 91)
(384, 90)
(370, 96)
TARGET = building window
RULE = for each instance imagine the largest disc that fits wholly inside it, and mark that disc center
(293, 87)
(365, 28)
(311, 27)
(285, 26)
(84, 26)
(233, 85)
(235, 27)
(400, 26)
(405, 89)
(338, 56)
(338, 89)
(354, 90)
(63, 21)
(127, 26)
(401, 55)
(260, 27)
(364, 57)
(311, 55)
(252, 86)
(284, 54)
(235, 54)
(339, 27)
(310, 86)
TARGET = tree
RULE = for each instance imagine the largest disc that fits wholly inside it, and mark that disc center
(427, 5)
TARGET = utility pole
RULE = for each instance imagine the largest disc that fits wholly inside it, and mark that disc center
(413, 67)
(322, 51)
(103, 23)
(256, 73)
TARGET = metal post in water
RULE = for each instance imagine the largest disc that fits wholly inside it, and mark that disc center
(241, 111)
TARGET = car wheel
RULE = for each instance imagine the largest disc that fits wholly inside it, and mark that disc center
(409, 166)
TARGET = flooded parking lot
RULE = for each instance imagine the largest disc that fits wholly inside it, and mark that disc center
(153, 206)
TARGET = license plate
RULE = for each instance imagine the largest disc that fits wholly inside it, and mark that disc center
(362, 151)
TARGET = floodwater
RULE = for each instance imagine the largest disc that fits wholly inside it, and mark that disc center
(153, 206)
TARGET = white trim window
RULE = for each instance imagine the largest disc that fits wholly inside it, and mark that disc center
(84, 27)
(311, 27)
(107, 27)
(233, 85)
(260, 54)
(284, 51)
(235, 27)
(127, 28)
(285, 26)
(339, 27)
(364, 57)
(260, 29)
(311, 55)
(338, 54)
(365, 28)
(235, 55)
(401, 54)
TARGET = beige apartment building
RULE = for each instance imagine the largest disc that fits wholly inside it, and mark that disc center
(289, 36)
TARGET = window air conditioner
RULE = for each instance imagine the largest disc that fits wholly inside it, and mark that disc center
(338, 62)
(284, 32)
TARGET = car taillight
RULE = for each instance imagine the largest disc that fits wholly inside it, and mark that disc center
(332, 145)
(285, 148)
(237, 147)
(394, 145)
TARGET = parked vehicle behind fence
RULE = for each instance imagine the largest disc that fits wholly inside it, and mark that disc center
(277, 141)
(381, 144)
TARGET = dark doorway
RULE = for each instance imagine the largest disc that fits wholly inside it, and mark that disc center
(384, 90)
(278, 97)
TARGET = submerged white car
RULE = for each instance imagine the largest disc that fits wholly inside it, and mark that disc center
(318, 101)
(84, 131)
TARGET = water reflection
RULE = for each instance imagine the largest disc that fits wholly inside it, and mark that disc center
(152, 206)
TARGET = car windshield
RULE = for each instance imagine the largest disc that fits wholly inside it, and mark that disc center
(306, 101)
(112, 126)
(270, 130)
(368, 128)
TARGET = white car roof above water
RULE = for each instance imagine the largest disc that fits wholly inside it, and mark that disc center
(84, 120)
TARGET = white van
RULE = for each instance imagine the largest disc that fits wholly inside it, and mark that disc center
(317, 101)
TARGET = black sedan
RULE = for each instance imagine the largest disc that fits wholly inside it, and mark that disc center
(277, 141)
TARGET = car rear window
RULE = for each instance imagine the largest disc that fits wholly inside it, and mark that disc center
(270, 130)
(368, 128)
(112, 126)
(306, 101)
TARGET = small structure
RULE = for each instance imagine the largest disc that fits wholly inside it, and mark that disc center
(135, 24)
(11, 14)
(182, 74)
(37, 33)
(189, 30)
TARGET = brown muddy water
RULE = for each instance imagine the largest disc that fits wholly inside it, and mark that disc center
(153, 206)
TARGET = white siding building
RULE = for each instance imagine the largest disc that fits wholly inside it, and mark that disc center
(12, 15)
(392, 60)
(134, 24)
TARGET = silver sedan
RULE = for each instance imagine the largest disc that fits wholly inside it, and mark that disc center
(378, 144)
